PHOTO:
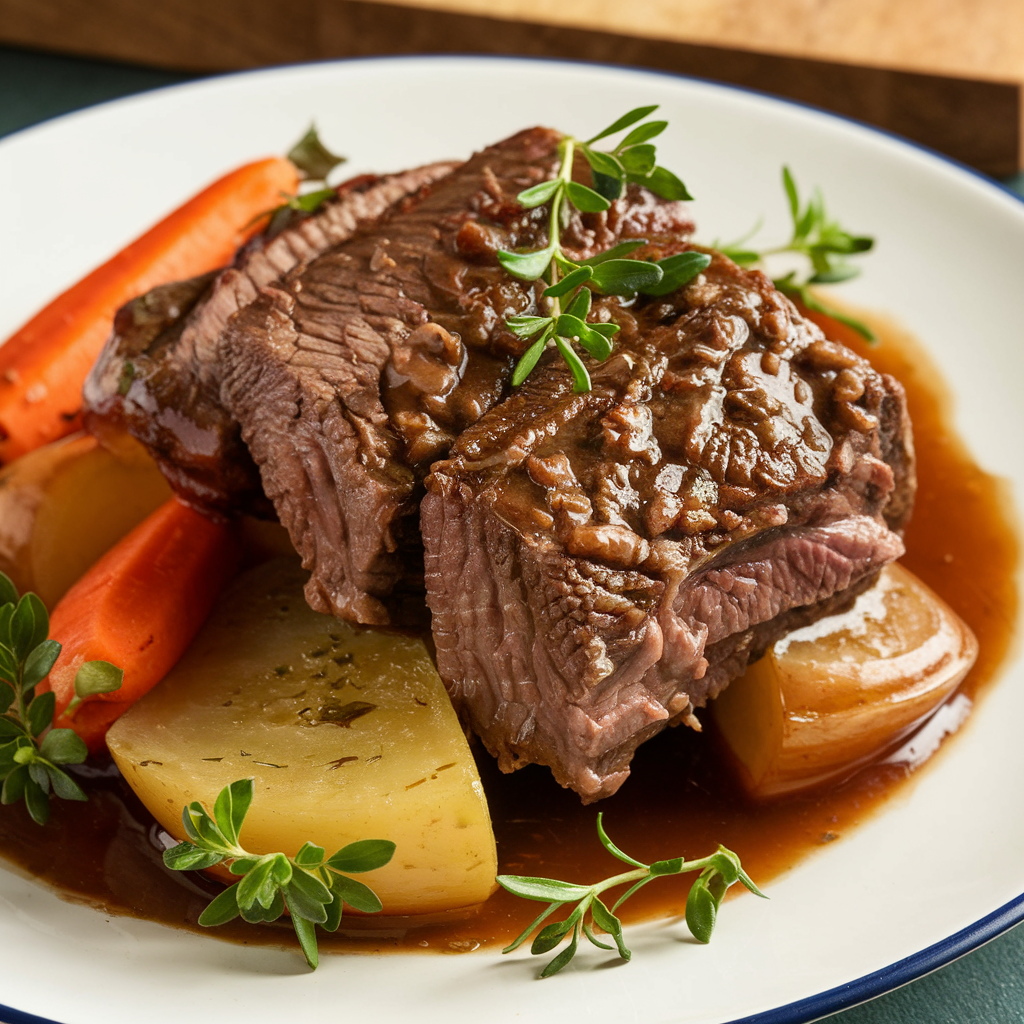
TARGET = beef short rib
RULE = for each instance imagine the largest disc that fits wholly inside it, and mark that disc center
(599, 565)
(351, 376)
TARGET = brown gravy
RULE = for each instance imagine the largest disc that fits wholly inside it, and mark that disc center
(681, 799)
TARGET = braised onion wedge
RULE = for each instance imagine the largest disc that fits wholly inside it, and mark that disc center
(830, 697)
(63, 505)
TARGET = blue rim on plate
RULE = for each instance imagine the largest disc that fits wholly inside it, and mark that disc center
(12, 1016)
(843, 997)
(869, 986)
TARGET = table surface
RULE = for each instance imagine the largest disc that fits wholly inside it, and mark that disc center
(987, 985)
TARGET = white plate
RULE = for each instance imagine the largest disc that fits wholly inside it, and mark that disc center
(937, 872)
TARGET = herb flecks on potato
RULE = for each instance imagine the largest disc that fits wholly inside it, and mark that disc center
(347, 732)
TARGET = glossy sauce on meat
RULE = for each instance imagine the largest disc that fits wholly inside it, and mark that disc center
(961, 541)
(589, 557)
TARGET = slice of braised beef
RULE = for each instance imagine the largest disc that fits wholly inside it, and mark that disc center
(353, 375)
(158, 376)
(599, 565)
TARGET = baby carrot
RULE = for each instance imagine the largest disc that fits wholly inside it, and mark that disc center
(44, 364)
(138, 607)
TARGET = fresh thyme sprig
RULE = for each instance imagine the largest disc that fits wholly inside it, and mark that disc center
(571, 284)
(718, 872)
(822, 241)
(310, 886)
(30, 750)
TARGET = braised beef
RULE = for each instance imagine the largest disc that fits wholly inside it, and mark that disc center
(600, 565)
(158, 375)
(355, 373)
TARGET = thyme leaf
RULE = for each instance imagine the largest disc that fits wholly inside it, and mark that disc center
(313, 159)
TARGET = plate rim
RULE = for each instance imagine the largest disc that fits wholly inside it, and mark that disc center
(903, 972)
(465, 58)
(821, 1004)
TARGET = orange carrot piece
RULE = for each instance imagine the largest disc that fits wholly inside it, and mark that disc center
(139, 607)
(44, 364)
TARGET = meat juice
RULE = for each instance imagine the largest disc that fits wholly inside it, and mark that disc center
(681, 799)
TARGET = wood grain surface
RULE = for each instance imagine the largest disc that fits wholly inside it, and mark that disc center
(946, 73)
(969, 38)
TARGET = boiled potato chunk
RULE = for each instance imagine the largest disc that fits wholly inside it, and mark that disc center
(64, 505)
(828, 698)
(348, 733)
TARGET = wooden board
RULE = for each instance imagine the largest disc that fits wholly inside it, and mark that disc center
(946, 73)
(981, 39)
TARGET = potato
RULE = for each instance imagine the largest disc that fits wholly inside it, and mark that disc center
(830, 697)
(348, 733)
(64, 505)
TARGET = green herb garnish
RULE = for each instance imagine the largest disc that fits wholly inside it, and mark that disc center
(301, 205)
(822, 241)
(92, 679)
(31, 749)
(315, 162)
(312, 157)
(311, 888)
(718, 872)
(570, 284)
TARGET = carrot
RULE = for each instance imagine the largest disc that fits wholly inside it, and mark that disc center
(44, 364)
(138, 607)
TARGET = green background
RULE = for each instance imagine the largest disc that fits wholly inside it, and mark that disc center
(984, 986)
